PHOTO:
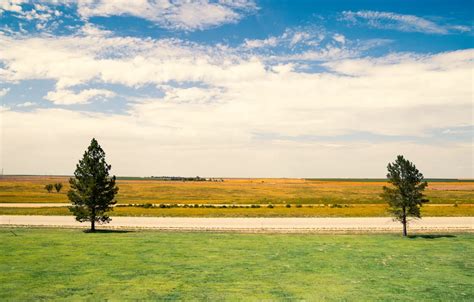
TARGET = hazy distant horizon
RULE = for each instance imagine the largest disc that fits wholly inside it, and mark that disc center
(237, 177)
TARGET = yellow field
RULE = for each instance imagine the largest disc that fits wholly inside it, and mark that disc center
(359, 210)
(235, 191)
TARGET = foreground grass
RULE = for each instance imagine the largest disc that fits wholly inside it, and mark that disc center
(60, 264)
(238, 191)
(277, 211)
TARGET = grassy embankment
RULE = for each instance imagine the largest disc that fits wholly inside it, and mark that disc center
(45, 264)
(317, 197)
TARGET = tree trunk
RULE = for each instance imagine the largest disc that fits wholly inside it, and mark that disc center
(404, 222)
(405, 228)
(93, 220)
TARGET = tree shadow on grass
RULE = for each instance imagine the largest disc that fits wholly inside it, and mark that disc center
(107, 231)
(431, 236)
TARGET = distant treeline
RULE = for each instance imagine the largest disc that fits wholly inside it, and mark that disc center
(180, 178)
(384, 179)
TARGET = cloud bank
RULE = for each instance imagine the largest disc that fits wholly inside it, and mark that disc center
(224, 104)
(304, 101)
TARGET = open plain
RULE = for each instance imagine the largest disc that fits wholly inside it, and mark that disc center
(238, 197)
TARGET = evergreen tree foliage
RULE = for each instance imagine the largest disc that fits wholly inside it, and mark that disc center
(405, 196)
(92, 190)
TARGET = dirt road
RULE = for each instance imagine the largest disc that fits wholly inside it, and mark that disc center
(33, 205)
(255, 224)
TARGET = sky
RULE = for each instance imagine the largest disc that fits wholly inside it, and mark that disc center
(237, 88)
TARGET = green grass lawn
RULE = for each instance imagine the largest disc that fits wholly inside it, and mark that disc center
(70, 264)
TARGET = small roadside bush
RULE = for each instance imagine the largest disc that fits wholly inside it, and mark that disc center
(255, 206)
(288, 205)
(270, 206)
(299, 206)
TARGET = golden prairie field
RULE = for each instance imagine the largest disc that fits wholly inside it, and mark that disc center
(234, 191)
(317, 197)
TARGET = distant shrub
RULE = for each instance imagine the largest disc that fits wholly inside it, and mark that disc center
(49, 188)
(196, 205)
(270, 206)
(255, 206)
(299, 206)
(288, 205)
(147, 205)
(336, 205)
(455, 205)
(58, 186)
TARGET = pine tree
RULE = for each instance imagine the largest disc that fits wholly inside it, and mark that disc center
(92, 190)
(405, 197)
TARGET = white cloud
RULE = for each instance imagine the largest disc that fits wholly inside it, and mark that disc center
(68, 97)
(4, 91)
(407, 23)
(290, 38)
(192, 95)
(339, 38)
(259, 43)
(183, 15)
(297, 37)
(177, 15)
(43, 16)
(11, 5)
(327, 53)
(26, 104)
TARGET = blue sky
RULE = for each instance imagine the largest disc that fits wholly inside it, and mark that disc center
(237, 88)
